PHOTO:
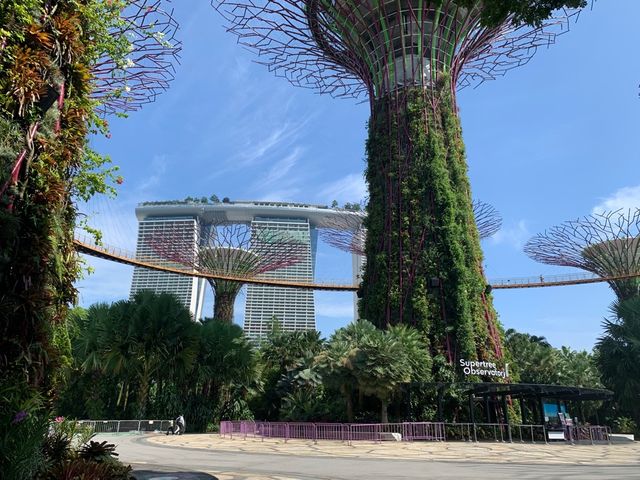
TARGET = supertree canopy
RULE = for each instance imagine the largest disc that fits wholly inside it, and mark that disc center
(126, 82)
(423, 255)
(355, 47)
(488, 219)
(346, 232)
(232, 249)
(606, 244)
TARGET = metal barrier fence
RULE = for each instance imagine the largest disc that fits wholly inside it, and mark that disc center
(127, 426)
(587, 434)
(497, 432)
(410, 431)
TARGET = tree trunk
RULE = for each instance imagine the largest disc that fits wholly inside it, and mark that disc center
(422, 246)
(143, 393)
(225, 294)
(349, 401)
(384, 417)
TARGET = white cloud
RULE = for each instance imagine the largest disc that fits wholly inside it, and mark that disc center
(282, 167)
(350, 188)
(515, 235)
(157, 170)
(254, 152)
(240, 71)
(625, 198)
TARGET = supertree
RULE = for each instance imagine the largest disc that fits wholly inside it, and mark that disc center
(488, 219)
(606, 244)
(422, 247)
(232, 249)
(346, 231)
(58, 60)
(128, 81)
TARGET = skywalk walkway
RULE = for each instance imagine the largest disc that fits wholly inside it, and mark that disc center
(115, 254)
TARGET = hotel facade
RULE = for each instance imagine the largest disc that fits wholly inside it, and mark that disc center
(293, 308)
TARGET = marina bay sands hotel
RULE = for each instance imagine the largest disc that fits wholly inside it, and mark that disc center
(294, 308)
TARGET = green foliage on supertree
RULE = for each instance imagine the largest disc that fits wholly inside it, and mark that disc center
(423, 254)
(530, 12)
(49, 51)
(46, 53)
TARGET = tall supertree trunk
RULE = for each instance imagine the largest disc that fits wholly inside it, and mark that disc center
(43, 124)
(225, 293)
(43, 133)
(423, 253)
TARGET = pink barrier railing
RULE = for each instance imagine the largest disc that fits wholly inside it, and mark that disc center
(345, 432)
(409, 432)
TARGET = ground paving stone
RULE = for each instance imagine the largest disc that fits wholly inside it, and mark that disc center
(517, 453)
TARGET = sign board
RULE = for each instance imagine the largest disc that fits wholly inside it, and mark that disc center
(486, 369)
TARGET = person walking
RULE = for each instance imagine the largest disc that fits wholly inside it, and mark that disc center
(178, 427)
(181, 424)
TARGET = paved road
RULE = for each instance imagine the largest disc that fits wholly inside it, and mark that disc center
(152, 461)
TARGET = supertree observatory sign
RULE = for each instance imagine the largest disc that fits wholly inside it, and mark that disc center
(486, 369)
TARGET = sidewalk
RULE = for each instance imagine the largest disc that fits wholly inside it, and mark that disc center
(504, 453)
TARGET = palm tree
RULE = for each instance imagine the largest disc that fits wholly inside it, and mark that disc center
(225, 356)
(381, 364)
(578, 369)
(534, 360)
(336, 370)
(225, 365)
(143, 341)
(163, 340)
(282, 349)
(377, 361)
(416, 350)
(281, 354)
(618, 355)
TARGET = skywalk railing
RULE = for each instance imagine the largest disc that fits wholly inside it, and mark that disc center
(540, 280)
(87, 245)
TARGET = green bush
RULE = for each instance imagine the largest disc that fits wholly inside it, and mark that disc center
(625, 425)
(23, 426)
(98, 451)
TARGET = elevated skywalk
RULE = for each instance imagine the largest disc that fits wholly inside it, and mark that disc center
(115, 254)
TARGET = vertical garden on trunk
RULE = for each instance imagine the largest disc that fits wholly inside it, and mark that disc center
(46, 113)
(61, 63)
(423, 252)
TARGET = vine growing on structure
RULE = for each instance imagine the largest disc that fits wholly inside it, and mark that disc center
(49, 53)
(423, 252)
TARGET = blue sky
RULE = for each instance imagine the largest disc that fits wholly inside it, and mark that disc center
(549, 142)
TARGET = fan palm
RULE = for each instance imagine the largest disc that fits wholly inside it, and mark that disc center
(375, 361)
(618, 355)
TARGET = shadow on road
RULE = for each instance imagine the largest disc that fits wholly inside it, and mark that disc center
(171, 475)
